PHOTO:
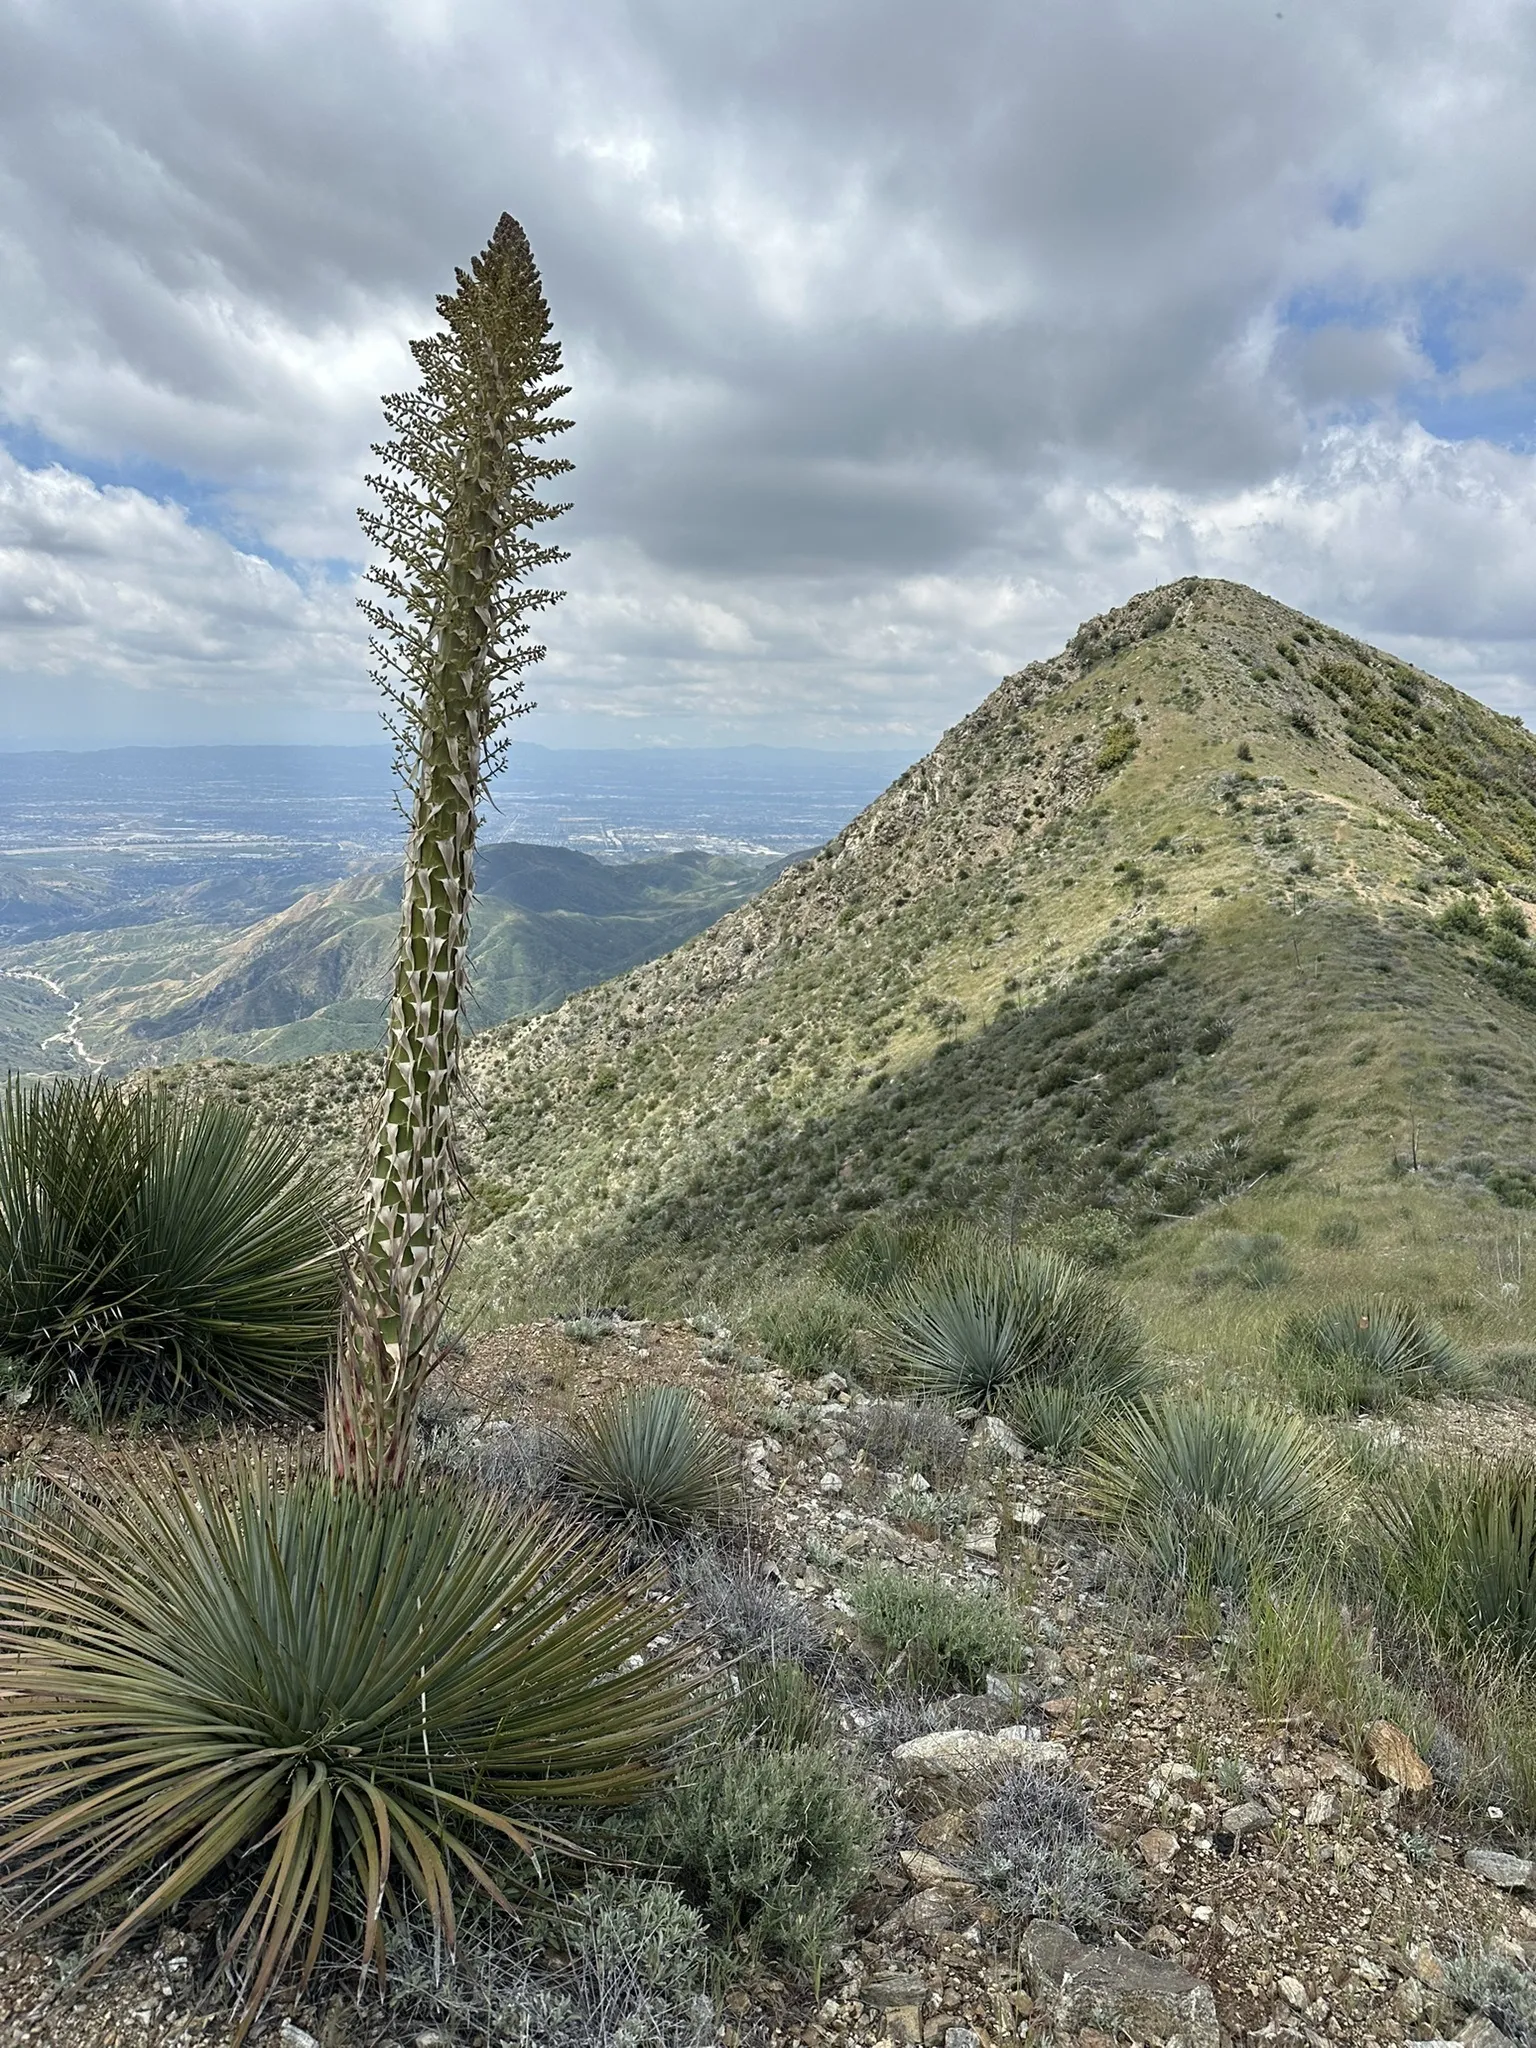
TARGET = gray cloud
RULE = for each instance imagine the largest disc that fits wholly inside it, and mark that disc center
(901, 337)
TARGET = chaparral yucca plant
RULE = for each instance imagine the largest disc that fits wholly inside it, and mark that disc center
(334, 1702)
(1459, 1551)
(1214, 1491)
(1371, 1353)
(456, 528)
(157, 1248)
(650, 1457)
(979, 1319)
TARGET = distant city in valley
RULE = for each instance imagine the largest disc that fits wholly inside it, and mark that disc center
(167, 903)
(256, 826)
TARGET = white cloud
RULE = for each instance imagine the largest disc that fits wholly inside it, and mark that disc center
(902, 338)
(109, 581)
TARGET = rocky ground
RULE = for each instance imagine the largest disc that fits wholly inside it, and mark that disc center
(1290, 1891)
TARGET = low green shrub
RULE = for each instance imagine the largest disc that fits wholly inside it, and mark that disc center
(776, 1706)
(1298, 1648)
(1367, 1354)
(1508, 1369)
(808, 1328)
(649, 1457)
(1056, 1418)
(1236, 1258)
(770, 1844)
(982, 1318)
(1214, 1492)
(163, 1251)
(940, 1639)
(1458, 1551)
(877, 1255)
(248, 1674)
(1037, 1851)
(1339, 1231)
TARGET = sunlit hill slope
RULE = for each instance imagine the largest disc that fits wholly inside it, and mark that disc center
(1216, 910)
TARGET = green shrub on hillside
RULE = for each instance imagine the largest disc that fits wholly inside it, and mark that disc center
(1214, 1492)
(808, 1328)
(938, 1639)
(1367, 1354)
(1252, 1260)
(157, 1249)
(878, 1254)
(249, 1675)
(649, 1457)
(1116, 748)
(766, 1833)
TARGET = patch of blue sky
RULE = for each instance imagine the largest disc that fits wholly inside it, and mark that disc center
(204, 504)
(1505, 415)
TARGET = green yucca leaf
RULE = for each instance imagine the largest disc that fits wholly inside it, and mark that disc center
(650, 1457)
(1369, 1353)
(979, 1318)
(1215, 1491)
(251, 1672)
(1460, 1550)
(162, 1249)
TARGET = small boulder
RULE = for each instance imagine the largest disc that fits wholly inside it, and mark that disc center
(961, 1766)
(1509, 1873)
(998, 1438)
(1482, 2033)
(1158, 1847)
(1322, 1809)
(900, 1999)
(926, 1869)
(1117, 1988)
(1248, 1819)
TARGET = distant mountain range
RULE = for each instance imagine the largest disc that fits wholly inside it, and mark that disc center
(313, 977)
(163, 903)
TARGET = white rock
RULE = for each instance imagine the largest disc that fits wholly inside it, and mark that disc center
(1294, 1992)
(290, 2036)
(962, 1765)
(1509, 1873)
(998, 1437)
(831, 1482)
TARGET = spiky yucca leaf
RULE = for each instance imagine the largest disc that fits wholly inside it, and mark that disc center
(979, 1318)
(1460, 1550)
(249, 1671)
(1213, 1490)
(650, 1457)
(163, 1249)
(1369, 1353)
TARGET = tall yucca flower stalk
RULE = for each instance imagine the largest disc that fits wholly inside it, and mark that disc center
(457, 551)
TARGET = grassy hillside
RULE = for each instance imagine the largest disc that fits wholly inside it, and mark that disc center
(312, 978)
(1209, 925)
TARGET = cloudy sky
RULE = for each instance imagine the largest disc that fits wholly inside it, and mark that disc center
(903, 336)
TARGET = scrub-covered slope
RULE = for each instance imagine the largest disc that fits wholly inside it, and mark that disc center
(1164, 918)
